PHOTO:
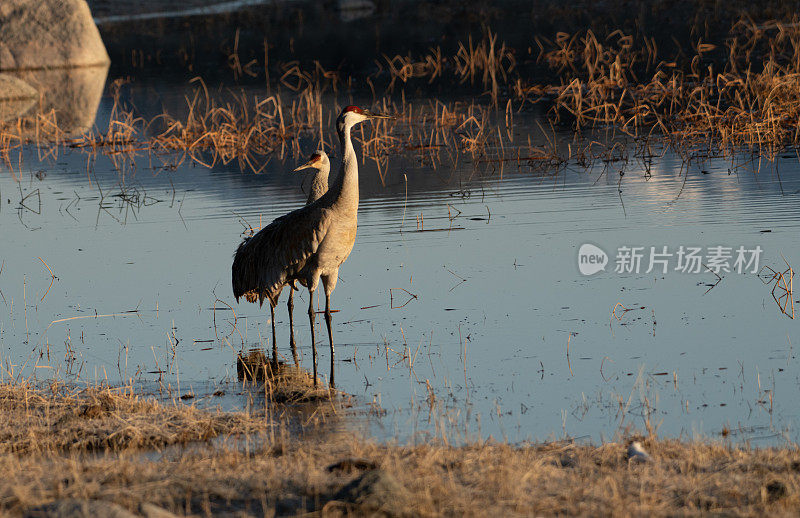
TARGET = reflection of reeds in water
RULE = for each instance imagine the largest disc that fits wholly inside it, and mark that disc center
(782, 283)
(283, 383)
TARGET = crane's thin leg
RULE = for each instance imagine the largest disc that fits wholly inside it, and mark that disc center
(328, 319)
(274, 343)
(313, 341)
(290, 305)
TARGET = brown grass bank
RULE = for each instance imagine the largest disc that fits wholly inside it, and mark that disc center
(96, 447)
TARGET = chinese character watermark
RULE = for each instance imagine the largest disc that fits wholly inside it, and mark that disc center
(663, 259)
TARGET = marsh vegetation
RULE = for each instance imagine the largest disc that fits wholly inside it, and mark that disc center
(477, 366)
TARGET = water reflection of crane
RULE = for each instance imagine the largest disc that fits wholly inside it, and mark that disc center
(308, 244)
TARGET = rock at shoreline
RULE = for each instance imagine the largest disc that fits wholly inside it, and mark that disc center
(38, 34)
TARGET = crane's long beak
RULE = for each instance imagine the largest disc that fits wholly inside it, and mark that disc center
(304, 166)
(373, 115)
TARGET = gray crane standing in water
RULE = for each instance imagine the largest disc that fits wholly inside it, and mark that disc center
(319, 186)
(308, 244)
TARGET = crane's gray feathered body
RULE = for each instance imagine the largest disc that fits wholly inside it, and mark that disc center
(304, 245)
(254, 256)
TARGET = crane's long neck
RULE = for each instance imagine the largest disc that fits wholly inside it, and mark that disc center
(345, 189)
(319, 185)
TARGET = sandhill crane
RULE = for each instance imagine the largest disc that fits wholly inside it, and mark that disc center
(308, 244)
(319, 186)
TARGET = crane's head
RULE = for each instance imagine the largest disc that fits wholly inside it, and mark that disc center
(319, 160)
(353, 115)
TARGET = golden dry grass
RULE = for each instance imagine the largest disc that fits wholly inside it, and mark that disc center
(59, 418)
(253, 469)
(752, 102)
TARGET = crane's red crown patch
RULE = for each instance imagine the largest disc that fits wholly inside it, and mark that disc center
(353, 109)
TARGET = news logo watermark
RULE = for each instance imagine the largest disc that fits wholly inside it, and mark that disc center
(591, 259)
(663, 259)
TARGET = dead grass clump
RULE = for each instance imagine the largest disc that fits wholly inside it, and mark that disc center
(490, 61)
(487, 62)
(60, 418)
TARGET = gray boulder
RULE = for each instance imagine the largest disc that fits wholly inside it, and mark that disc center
(38, 34)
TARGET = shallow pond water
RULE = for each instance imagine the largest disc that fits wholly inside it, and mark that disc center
(462, 309)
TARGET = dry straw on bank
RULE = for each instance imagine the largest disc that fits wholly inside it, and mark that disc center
(291, 472)
(59, 418)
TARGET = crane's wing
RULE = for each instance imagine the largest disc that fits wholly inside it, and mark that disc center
(264, 263)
